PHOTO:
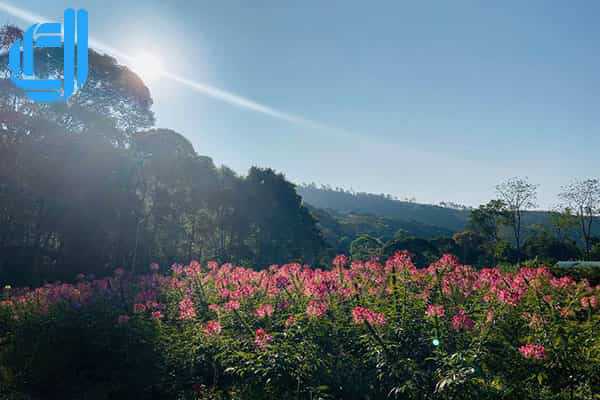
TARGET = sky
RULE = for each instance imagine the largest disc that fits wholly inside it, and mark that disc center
(439, 101)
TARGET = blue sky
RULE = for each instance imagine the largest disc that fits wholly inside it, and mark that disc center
(436, 100)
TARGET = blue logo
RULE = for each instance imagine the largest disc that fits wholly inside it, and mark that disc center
(50, 35)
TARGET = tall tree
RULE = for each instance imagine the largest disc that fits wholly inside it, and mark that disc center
(563, 221)
(518, 195)
(583, 197)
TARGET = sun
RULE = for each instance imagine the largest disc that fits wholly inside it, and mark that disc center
(148, 66)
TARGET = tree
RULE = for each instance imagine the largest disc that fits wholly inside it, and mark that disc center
(563, 221)
(583, 197)
(422, 250)
(365, 248)
(541, 244)
(518, 195)
(487, 218)
(470, 245)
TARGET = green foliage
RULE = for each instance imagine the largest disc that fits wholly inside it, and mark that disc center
(371, 330)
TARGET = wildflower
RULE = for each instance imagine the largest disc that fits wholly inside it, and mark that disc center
(265, 310)
(594, 302)
(585, 303)
(213, 307)
(123, 319)
(212, 328)
(157, 315)
(561, 283)
(262, 338)
(533, 351)
(316, 308)
(186, 309)
(461, 321)
(434, 310)
(154, 267)
(363, 314)
(232, 305)
(340, 261)
(139, 308)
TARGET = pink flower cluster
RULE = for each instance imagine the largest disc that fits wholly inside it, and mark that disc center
(461, 321)
(262, 338)
(316, 308)
(362, 314)
(533, 351)
(264, 310)
(186, 309)
(434, 310)
(212, 328)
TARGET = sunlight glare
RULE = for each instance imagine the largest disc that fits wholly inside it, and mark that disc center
(148, 66)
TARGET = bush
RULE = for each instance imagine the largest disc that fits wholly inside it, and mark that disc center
(366, 330)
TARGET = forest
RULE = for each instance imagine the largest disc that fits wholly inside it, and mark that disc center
(92, 185)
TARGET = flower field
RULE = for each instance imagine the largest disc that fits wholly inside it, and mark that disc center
(371, 330)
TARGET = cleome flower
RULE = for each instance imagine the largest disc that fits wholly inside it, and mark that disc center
(262, 338)
(533, 351)
(186, 309)
(362, 314)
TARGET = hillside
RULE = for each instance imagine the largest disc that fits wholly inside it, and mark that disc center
(421, 220)
(447, 219)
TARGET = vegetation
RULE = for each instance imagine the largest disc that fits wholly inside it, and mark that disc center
(87, 187)
(365, 330)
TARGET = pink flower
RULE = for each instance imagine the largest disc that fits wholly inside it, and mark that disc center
(561, 283)
(265, 310)
(363, 314)
(461, 321)
(213, 307)
(262, 338)
(154, 267)
(340, 261)
(157, 315)
(533, 351)
(139, 308)
(435, 311)
(594, 302)
(123, 319)
(232, 305)
(186, 309)
(585, 303)
(212, 328)
(316, 308)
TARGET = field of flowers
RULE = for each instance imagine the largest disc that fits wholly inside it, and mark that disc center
(371, 330)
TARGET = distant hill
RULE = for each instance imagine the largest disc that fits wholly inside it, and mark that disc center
(421, 220)
(445, 219)
(340, 229)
